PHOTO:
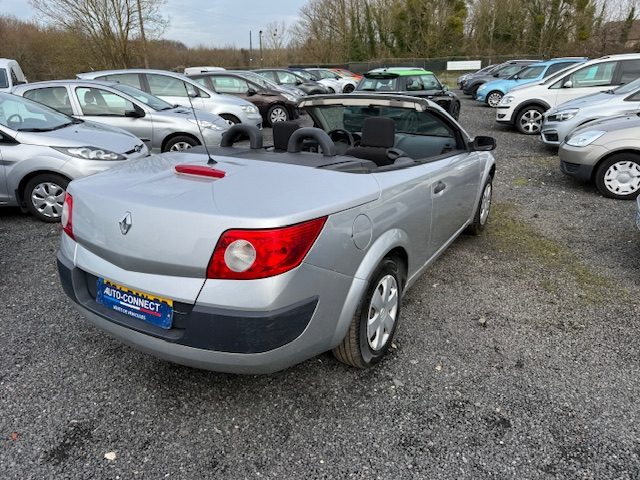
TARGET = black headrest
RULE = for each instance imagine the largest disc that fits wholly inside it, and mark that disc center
(378, 132)
(310, 133)
(241, 132)
(282, 132)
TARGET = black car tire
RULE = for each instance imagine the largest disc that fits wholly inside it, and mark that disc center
(474, 90)
(525, 118)
(605, 181)
(277, 111)
(356, 349)
(455, 110)
(180, 143)
(480, 218)
(348, 88)
(47, 183)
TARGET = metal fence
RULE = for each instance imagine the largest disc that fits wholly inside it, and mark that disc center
(433, 64)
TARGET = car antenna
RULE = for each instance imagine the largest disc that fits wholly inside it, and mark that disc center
(211, 160)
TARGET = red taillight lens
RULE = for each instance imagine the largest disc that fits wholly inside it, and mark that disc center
(66, 219)
(251, 254)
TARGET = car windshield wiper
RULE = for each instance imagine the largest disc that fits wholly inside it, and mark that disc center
(48, 129)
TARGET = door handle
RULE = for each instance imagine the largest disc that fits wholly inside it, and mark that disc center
(440, 186)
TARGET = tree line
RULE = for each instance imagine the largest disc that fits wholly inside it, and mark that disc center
(81, 35)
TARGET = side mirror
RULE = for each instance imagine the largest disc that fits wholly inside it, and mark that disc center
(137, 112)
(445, 88)
(567, 84)
(298, 82)
(192, 92)
(516, 77)
(251, 91)
(21, 82)
(483, 144)
(496, 75)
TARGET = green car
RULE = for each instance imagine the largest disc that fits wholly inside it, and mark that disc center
(416, 82)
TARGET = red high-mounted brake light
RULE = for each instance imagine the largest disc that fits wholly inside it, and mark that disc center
(66, 219)
(252, 254)
(200, 170)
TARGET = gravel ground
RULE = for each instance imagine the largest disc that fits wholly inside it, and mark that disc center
(517, 358)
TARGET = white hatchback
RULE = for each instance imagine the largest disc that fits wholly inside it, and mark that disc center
(524, 107)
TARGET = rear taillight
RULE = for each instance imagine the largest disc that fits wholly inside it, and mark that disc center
(67, 215)
(251, 254)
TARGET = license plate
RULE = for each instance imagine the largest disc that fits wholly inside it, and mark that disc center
(142, 306)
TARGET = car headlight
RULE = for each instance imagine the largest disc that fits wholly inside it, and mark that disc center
(249, 109)
(562, 116)
(585, 138)
(90, 153)
(506, 100)
(291, 98)
(205, 124)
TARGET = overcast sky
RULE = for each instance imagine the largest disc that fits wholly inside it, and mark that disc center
(208, 22)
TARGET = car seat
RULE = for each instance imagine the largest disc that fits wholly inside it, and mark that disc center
(378, 136)
(282, 132)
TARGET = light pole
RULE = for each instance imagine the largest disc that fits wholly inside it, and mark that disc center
(260, 36)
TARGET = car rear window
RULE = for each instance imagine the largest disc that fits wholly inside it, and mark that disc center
(4, 81)
(379, 84)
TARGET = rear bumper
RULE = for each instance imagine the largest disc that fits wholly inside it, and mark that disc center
(221, 339)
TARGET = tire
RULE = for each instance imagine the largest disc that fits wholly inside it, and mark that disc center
(348, 88)
(493, 98)
(529, 119)
(44, 196)
(331, 90)
(474, 91)
(484, 209)
(277, 113)
(230, 119)
(180, 143)
(455, 110)
(358, 348)
(619, 176)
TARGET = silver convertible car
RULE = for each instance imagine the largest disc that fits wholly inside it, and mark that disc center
(273, 254)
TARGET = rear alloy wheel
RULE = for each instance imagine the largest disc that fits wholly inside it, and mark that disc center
(348, 88)
(529, 120)
(619, 176)
(230, 119)
(493, 99)
(374, 324)
(484, 208)
(180, 143)
(277, 113)
(44, 196)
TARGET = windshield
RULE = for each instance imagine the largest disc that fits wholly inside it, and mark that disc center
(628, 88)
(378, 84)
(530, 73)
(4, 81)
(149, 100)
(22, 115)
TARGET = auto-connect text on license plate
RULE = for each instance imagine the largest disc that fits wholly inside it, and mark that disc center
(143, 306)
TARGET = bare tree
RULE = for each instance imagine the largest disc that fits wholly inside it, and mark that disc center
(109, 25)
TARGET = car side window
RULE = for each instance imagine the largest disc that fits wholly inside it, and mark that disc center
(224, 84)
(54, 97)
(430, 82)
(204, 81)
(600, 75)
(14, 77)
(414, 84)
(629, 71)
(165, 86)
(288, 78)
(98, 102)
(131, 79)
(4, 80)
(556, 67)
(270, 75)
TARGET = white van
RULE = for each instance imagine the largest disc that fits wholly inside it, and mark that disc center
(524, 106)
(10, 74)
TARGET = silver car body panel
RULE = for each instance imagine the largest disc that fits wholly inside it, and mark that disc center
(155, 128)
(368, 216)
(217, 103)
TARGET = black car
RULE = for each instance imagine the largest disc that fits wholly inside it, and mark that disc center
(415, 82)
(294, 79)
(274, 106)
(471, 84)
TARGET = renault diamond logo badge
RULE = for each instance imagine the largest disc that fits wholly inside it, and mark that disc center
(125, 223)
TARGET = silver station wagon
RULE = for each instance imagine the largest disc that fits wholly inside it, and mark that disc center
(272, 254)
(161, 126)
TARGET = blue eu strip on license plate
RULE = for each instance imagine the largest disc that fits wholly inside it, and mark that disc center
(142, 306)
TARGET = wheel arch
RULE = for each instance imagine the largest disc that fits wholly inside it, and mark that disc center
(530, 103)
(20, 200)
(173, 135)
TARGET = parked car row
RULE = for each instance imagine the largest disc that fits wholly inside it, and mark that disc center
(588, 108)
